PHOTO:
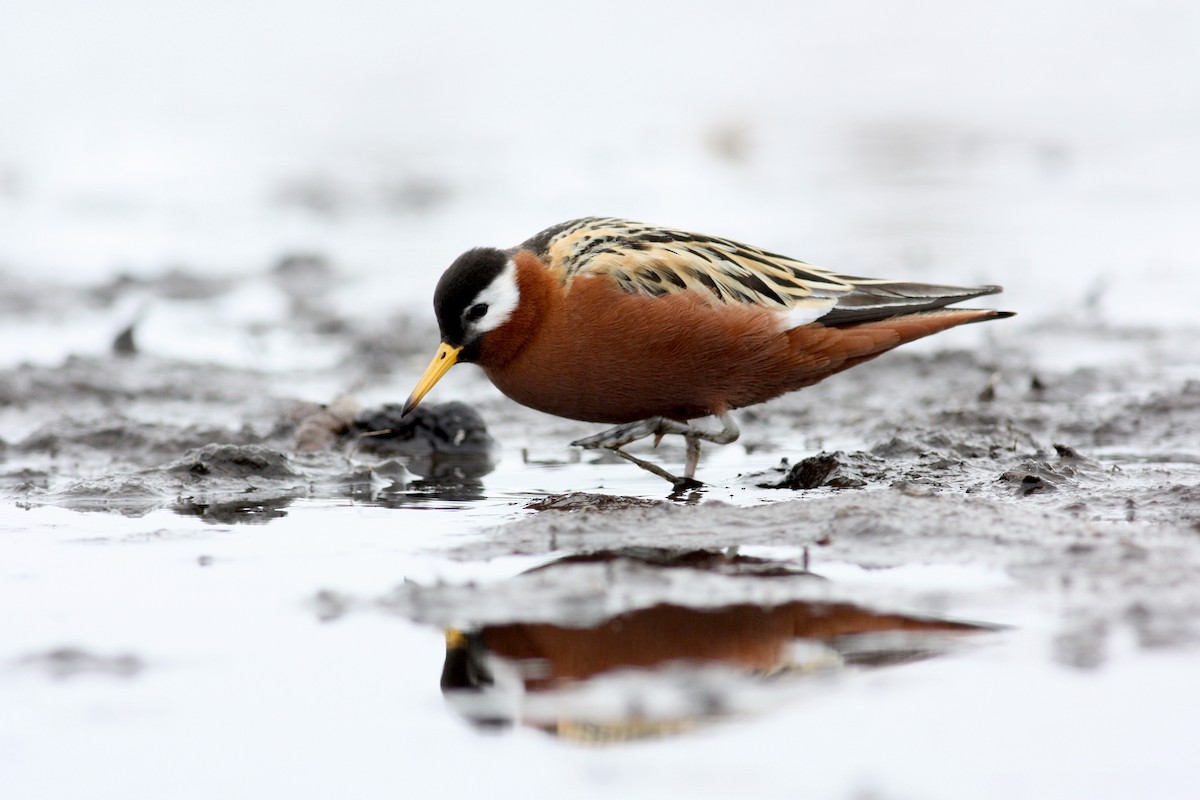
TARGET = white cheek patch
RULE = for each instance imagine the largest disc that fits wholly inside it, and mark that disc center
(811, 311)
(501, 297)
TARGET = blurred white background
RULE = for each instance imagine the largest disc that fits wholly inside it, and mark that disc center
(1049, 147)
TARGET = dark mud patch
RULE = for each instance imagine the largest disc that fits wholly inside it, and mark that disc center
(218, 462)
(132, 435)
(72, 662)
(590, 501)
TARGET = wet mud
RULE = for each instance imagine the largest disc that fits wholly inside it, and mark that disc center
(644, 617)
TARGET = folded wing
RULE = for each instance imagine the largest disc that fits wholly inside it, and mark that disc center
(654, 261)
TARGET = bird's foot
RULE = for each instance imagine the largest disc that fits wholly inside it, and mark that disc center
(631, 432)
(614, 438)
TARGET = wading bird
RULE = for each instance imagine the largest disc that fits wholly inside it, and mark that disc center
(647, 328)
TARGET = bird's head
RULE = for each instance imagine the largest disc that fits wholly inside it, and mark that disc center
(476, 295)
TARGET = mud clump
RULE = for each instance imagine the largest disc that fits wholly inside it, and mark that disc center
(450, 428)
(234, 461)
(834, 470)
(227, 483)
(23, 481)
(1035, 476)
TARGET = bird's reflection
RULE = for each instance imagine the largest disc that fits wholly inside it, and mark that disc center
(668, 667)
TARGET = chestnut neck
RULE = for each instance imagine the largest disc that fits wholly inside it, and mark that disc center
(502, 345)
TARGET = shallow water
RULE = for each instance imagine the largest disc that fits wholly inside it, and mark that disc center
(343, 625)
(268, 225)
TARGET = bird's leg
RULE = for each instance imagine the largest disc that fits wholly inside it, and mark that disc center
(614, 438)
(729, 433)
(693, 456)
(687, 482)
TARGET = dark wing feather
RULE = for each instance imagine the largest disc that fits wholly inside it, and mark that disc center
(880, 301)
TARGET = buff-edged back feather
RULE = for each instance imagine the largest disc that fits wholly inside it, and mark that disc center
(654, 261)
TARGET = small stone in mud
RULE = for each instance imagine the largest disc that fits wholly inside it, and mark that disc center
(124, 343)
(453, 427)
(235, 461)
(988, 393)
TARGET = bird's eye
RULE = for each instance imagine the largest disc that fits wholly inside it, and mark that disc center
(476, 311)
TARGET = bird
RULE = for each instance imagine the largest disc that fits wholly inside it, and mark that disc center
(650, 329)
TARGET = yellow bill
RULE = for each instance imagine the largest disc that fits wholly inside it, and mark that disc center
(442, 362)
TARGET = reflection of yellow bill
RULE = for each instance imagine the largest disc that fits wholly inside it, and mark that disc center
(443, 361)
(455, 639)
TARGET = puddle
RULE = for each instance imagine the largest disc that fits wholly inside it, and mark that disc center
(659, 668)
